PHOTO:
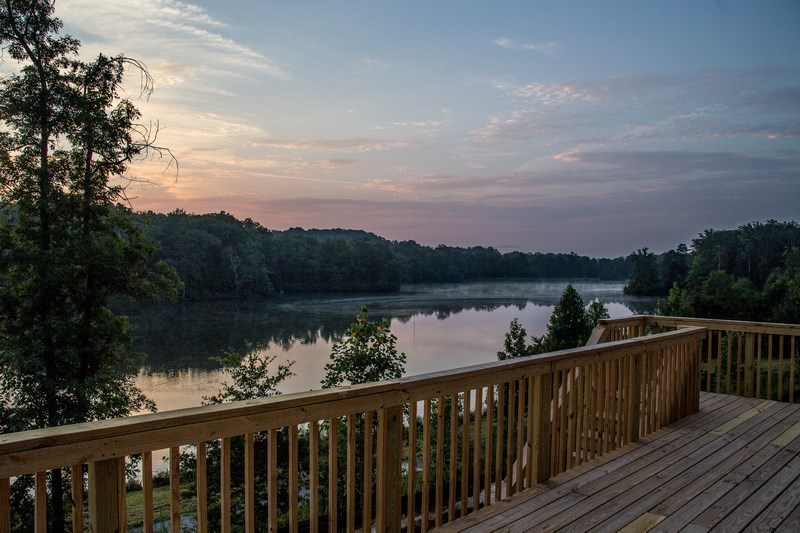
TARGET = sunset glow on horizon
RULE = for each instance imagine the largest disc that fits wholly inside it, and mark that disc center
(594, 127)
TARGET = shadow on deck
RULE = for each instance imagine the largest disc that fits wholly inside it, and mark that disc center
(734, 465)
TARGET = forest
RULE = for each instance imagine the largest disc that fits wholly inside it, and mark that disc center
(220, 256)
(748, 273)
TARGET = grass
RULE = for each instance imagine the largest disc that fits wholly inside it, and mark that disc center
(160, 506)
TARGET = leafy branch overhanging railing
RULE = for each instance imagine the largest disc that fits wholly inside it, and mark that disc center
(407, 454)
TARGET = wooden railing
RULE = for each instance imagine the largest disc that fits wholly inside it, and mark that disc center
(412, 453)
(751, 359)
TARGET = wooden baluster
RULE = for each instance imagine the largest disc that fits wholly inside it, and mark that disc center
(202, 491)
(175, 490)
(749, 365)
(637, 377)
(606, 405)
(530, 436)
(313, 475)
(76, 490)
(769, 366)
(294, 475)
(368, 468)
(695, 357)
(225, 485)
(147, 491)
(412, 469)
(574, 441)
(564, 391)
(333, 474)
(476, 449)
(498, 458)
(489, 451)
(583, 415)
(616, 403)
(622, 398)
(781, 342)
(709, 363)
(40, 503)
(730, 362)
(465, 466)
(426, 464)
(792, 364)
(665, 389)
(451, 500)
(759, 341)
(739, 364)
(591, 410)
(543, 392)
(272, 483)
(351, 473)
(439, 461)
(719, 362)
(249, 483)
(511, 431)
(5, 505)
(517, 481)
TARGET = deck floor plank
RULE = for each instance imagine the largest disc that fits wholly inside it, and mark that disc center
(733, 465)
(693, 498)
(609, 493)
(675, 479)
(779, 510)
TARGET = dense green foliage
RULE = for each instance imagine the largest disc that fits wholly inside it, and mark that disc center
(750, 273)
(515, 344)
(252, 375)
(218, 256)
(570, 326)
(66, 138)
(368, 353)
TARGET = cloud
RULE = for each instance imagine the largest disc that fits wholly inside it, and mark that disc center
(374, 65)
(631, 112)
(340, 145)
(551, 48)
(555, 93)
(163, 30)
(520, 124)
(677, 164)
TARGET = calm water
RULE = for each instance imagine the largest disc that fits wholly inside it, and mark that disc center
(437, 326)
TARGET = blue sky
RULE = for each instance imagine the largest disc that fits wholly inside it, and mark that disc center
(594, 127)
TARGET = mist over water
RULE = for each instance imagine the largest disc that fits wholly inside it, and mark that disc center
(437, 327)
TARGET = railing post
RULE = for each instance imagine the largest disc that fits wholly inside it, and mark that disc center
(390, 451)
(107, 496)
(543, 393)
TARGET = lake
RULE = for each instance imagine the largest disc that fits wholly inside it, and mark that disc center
(437, 327)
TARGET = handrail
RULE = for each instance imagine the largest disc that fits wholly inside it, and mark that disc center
(511, 424)
(751, 359)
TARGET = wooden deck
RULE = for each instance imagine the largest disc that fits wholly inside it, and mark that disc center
(734, 465)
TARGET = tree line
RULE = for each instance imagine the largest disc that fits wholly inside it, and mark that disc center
(748, 273)
(220, 256)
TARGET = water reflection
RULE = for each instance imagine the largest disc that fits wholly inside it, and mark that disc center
(438, 327)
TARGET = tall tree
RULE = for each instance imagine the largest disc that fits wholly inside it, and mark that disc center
(68, 247)
(571, 323)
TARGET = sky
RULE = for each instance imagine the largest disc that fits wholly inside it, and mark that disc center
(554, 126)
